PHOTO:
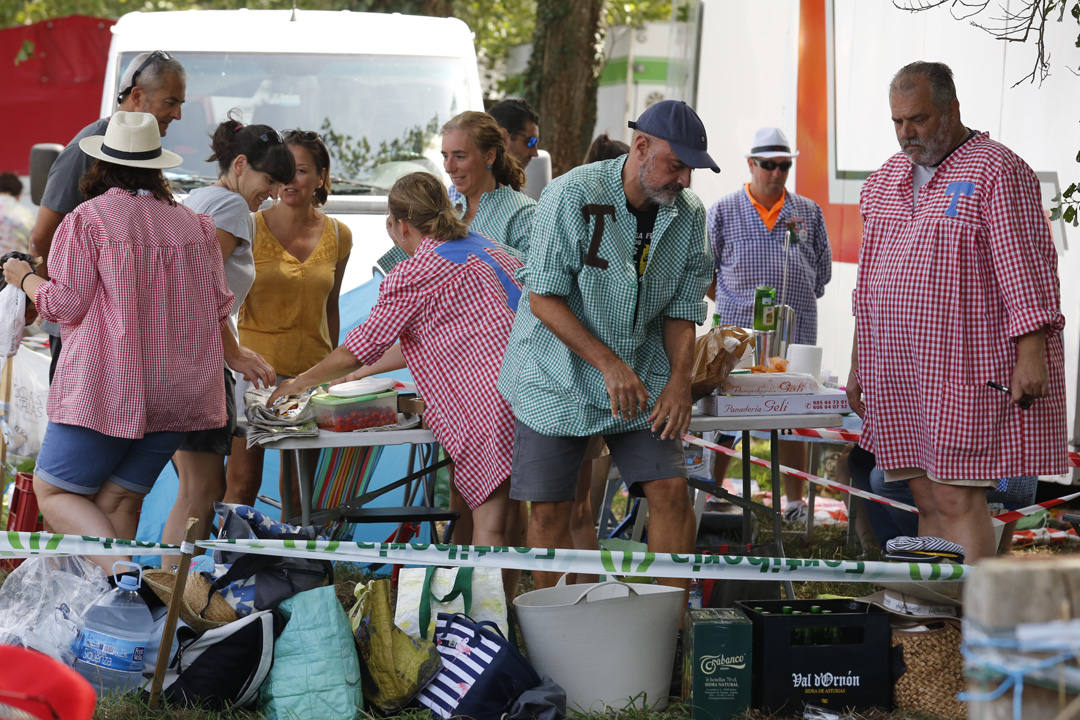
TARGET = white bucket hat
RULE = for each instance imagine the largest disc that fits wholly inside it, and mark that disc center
(770, 142)
(132, 139)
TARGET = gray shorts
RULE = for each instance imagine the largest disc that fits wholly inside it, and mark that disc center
(545, 467)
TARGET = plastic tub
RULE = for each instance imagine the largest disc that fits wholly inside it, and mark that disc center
(345, 414)
(609, 645)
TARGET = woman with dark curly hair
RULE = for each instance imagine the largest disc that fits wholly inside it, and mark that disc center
(290, 316)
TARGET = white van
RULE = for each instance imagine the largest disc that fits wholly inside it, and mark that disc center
(377, 87)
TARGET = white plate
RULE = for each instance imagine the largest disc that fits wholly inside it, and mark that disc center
(365, 386)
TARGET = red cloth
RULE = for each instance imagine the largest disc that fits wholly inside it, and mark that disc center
(138, 288)
(453, 321)
(942, 292)
(65, 68)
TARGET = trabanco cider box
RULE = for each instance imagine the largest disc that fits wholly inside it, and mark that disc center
(716, 662)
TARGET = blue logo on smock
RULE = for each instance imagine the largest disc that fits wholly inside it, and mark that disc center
(955, 190)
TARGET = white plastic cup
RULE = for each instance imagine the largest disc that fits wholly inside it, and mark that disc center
(805, 359)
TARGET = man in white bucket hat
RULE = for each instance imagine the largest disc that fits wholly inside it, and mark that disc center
(138, 291)
(153, 82)
(748, 230)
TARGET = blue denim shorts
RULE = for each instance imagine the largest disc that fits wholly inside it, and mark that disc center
(80, 460)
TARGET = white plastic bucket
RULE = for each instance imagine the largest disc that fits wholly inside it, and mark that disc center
(609, 644)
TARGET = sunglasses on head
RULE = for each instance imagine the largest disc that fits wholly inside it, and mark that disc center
(271, 137)
(770, 165)
(530, 140)
(152, 58)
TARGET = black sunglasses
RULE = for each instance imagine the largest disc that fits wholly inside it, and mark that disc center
(530, 140)
(154, 57)
(770, 165)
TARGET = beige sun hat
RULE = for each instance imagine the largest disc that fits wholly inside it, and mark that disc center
(132, 139)
(216, 614)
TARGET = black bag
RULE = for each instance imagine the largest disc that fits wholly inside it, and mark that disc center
(251, 582)
(223, 667)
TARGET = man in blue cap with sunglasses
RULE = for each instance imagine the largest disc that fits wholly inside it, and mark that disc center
(603, 340)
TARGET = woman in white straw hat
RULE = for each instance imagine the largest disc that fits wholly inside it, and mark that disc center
(138, 289)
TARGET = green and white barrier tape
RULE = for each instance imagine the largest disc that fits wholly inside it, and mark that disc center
(646, 564)
(25, 544)
(596, 562)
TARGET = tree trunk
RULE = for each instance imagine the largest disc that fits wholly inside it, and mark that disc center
(562, 77)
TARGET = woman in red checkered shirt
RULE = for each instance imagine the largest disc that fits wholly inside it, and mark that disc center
(451, 305)
(137, 286)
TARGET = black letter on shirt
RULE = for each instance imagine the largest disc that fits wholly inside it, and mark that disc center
(597, 211)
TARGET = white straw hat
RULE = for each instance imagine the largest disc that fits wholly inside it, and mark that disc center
(770, 142)
(132, 139)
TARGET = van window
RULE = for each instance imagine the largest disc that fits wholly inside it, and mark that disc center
(379, 115)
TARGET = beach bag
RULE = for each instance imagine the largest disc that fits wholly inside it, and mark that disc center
(482, 672)
(394, 665)
(251, 582)
(316, 672)
(423, 593)
(223, 667)
(933, 667)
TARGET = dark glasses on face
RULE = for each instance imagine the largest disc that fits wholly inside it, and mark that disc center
(530, 140)
(154, 57)
(271, 138)
(770, 165)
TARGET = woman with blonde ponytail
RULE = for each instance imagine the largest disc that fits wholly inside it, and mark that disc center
(454, 298)
(488, 179)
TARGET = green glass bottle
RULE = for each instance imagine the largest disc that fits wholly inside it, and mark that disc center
(764, 308)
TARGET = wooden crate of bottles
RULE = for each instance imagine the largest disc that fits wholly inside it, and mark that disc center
(830, 653)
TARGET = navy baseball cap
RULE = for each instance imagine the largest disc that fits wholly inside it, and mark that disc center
(676, 122)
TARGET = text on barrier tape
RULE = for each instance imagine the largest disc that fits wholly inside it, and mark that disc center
(646, 564)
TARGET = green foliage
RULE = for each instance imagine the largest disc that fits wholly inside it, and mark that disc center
(354, 157)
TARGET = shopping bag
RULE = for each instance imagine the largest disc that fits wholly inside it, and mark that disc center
(12, 319)
(251, 582)
(395, 665)
(482, 672)
(425, 592)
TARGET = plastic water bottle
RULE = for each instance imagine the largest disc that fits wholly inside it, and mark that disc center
(116, 629)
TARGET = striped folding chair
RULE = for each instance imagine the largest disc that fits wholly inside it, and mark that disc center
(341, 475)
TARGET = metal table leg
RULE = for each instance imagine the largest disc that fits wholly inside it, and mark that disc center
(747, 517)
(778, 529)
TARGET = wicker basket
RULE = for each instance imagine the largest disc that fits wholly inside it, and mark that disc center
(218, 613)
(935, 669)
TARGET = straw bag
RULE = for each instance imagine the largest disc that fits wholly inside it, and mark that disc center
(934, 668)
(217, 611)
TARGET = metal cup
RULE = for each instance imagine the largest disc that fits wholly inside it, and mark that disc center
(785, 329)
(764, 341)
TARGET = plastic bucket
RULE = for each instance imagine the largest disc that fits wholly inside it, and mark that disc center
(609, 644)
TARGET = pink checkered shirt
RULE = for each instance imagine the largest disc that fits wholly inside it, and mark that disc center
(453, 319)
(138, 288)
(944, 288)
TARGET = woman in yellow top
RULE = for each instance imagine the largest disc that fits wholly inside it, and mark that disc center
(290, 316)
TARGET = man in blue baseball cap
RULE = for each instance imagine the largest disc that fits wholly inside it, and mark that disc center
(603, 340)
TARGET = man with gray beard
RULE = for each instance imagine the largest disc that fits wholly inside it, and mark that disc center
(603, 340)
(957, 299)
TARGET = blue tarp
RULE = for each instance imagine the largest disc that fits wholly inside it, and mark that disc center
(355, 306)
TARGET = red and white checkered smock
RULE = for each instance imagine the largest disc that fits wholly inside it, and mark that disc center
(452, 313)
(138, 288)
(943, 291)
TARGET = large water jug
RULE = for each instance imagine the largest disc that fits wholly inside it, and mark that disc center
(116, 629)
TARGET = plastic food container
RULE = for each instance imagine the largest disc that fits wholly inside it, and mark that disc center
(345, 414)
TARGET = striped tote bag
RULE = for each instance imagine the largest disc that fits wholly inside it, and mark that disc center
(482, 672)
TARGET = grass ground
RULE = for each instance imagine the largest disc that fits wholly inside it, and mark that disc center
(825, 542)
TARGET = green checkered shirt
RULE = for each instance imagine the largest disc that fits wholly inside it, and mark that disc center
(552, 389)
(505, 216)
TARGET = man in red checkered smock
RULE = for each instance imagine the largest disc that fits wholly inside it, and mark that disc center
(957, 288)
